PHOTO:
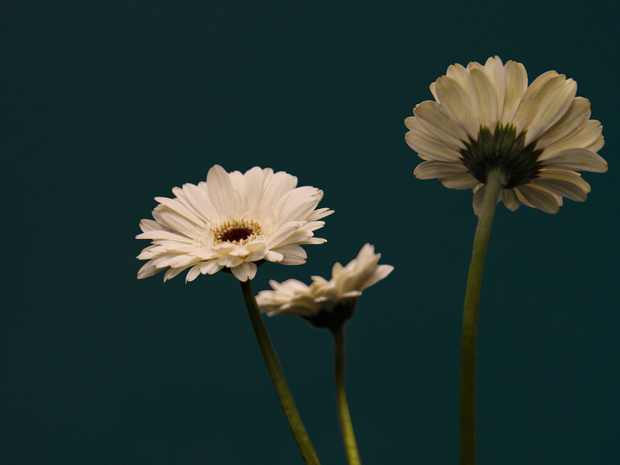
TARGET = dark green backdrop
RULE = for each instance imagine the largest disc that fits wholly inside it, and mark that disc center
(105, 105)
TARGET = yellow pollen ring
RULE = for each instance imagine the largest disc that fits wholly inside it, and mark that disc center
(238, 232)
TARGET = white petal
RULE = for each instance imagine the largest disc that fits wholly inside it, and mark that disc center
(172, 272)
(551, 109)
(292, 255)
(244, 271)
(199, 199)
(221, 191)
(155, 235)
(478, 198)
(430, 148)
(564, 183)
(540, 198)
(461, 75)
(533, 97)
(495, 68)
(516, 85)
(487, 97)
(380, 273)
(589, 134)
(510, 199)
(151, 225)
(176, 206)
(192, 274)
(570, 124)
(438, 169)
(210, 267)
(229, 261)
(461, 181)
(253, 188)
(457, 103)
(577, 160)
(439, 123)
(274, 256)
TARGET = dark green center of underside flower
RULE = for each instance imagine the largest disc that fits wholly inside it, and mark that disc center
(503, 150)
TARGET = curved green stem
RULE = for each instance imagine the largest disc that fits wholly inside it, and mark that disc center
(277, 376)
(346, 427)
(470, 322)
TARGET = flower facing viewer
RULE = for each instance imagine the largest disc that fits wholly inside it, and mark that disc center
(232, 221)
(323, 301)
(487, 117)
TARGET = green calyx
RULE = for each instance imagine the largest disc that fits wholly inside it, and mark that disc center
(504, 150)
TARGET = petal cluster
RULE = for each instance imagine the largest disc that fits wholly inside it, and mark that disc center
(296, 298)
(551, 121)
(232, 221)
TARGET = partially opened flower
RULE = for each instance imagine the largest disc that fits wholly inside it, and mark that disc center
(232, 221)
(318, 302)
(487, 117)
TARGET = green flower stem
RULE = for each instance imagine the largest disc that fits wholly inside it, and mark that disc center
(470, 321)
(279, 382)
(346, 427)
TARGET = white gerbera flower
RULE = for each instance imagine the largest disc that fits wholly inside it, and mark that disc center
(232, 221)
(487, 117)
(319, 301)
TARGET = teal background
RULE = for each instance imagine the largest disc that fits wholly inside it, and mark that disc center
(106, 105)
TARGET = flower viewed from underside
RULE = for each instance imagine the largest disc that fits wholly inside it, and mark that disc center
(324, 300)
(486, 118)
(232, 221)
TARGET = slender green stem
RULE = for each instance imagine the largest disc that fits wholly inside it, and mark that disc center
(279, 382)
(470, 322)
(346, 427)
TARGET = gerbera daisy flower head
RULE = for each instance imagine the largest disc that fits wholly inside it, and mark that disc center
(232, 221)
(326, 303)
(486, 118)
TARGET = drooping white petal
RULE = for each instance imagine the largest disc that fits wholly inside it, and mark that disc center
(540, 198)
(510, 199)
(461, 181)
(564, 183)
(589, 134)
(245, 271)
(461, 75)
(438, 169)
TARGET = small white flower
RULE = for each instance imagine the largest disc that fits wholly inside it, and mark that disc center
(232, 221)
(487, 117)
(346, 285)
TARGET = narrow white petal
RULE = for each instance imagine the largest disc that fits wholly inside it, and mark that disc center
(461, 181)
(192, 274)
(155, 235)
(495, 68)
(176, 206)
(438, 169)
(380, 273)
(221, 191)
(172, 272)
(516, 85)
(292, 254)
(274, 256)
(199, 199)
(152, 225)
(147, 270)
(229, 261)
(283, 233)
(457, 103)
(253, 188)
(487, 97)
